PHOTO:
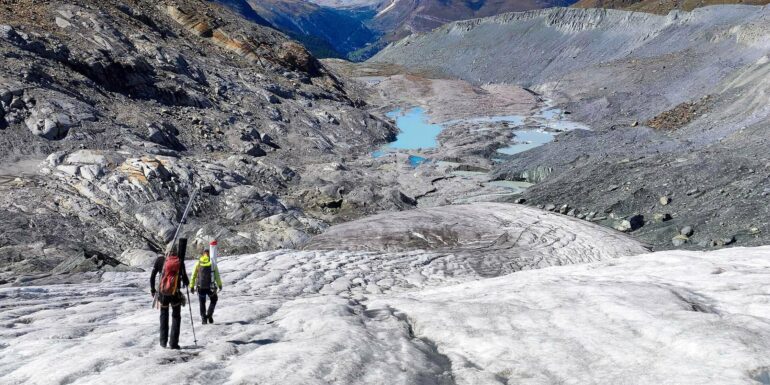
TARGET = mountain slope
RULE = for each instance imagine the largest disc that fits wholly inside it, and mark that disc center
(112, 115)
(660, 7)
(325, 31)
(669, 97)
(401, 18)
(357, 30)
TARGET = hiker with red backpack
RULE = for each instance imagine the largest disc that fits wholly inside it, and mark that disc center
(172, 276)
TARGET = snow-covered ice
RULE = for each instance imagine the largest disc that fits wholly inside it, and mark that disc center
(662, 318)
(413, 317)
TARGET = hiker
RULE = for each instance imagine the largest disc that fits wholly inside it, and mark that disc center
(173, 276)
(205, 279)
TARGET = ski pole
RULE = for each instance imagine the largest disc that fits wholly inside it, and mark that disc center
(192, 324)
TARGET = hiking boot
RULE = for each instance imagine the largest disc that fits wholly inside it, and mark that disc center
(163, 345)
(175, 347)
(204, 320)
(211, 319)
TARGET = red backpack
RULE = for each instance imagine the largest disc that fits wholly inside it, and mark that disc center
(169, 280)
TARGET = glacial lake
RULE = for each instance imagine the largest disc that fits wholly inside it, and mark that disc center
(416, 132)
(527, 140)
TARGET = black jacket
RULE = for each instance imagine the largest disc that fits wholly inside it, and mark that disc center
(158, 267)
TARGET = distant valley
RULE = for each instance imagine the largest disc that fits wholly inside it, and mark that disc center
(357, 29)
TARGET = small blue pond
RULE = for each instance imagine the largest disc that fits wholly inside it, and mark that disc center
(415, 160)
(527, 140)
(416, 131)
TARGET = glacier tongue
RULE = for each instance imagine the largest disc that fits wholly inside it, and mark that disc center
(415, 317)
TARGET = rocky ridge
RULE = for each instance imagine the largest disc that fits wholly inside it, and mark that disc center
(112, 113)
(659, 7)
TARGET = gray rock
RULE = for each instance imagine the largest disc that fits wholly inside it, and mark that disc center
(56, 158)
(52, 118)
(632, 223)
(254, 150)
(725, 241)
(138, 258)
(687, 231)
(91, 172)
(157, 219)
(679, 240)
(70, 170)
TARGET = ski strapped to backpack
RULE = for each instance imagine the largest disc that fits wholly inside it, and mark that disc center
(163, 276)
(213, 257)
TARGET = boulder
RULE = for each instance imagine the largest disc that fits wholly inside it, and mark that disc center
(724, 241)
(68, 169)
(55, 158)
(253, 149)
(164, 136)
(157, 219)
(664, 200)
(138, 258)
(687, 231)
(679, 240)
(96, 157)
(661, 217)
(629, 224)
(52, 118)
(91, 172)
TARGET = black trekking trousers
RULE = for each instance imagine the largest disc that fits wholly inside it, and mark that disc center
(176, 320)
(212, 294)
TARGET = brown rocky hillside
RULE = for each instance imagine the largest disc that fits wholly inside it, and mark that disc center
(660, 6)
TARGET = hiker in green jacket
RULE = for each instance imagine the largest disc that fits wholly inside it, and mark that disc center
(205, 279)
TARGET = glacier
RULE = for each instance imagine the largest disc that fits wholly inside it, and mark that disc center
(416, 317)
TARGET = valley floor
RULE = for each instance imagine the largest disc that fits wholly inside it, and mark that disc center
(416, 317)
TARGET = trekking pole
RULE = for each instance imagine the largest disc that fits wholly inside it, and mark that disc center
(192, 324)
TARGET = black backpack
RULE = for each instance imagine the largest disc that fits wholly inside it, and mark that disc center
(204, 280)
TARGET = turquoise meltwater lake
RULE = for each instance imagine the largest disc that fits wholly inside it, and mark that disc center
(416, 131)
(527, 140)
